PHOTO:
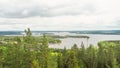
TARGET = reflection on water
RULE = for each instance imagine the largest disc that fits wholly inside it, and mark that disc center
(68, 42)
(94, 39)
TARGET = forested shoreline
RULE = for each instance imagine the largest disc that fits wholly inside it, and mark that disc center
(31, 52)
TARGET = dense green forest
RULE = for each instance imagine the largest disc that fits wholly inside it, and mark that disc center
(33, 52)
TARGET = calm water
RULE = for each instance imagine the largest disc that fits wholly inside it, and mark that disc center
(69, 42)
(94, 39)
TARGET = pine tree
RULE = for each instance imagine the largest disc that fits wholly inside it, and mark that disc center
(72, 60)
(59, 61)
(28, 32)
(44, 51)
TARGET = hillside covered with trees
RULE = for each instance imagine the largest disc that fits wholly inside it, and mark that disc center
(33, 52)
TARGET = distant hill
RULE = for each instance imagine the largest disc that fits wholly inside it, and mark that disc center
(108, 32)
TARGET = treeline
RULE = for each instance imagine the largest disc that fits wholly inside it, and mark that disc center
(107, 55)
(29, 52)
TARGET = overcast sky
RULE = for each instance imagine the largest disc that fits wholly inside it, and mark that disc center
(60, 14)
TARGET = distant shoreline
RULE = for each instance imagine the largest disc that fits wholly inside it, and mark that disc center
(101, 32)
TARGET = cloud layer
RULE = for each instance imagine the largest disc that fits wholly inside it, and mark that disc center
(59, 14)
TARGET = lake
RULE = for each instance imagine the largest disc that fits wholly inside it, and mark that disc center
(95, 36)
(94, 39)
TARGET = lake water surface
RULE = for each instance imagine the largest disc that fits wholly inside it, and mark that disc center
(94, 39)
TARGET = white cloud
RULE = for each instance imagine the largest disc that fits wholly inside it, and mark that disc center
(59, 14)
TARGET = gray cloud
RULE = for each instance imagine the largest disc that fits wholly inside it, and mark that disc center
(59, 14)
(45, 11)
(23, 12)
(6, 23)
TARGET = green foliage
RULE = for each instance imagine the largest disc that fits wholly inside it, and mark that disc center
(35, 64)
(33, 52)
